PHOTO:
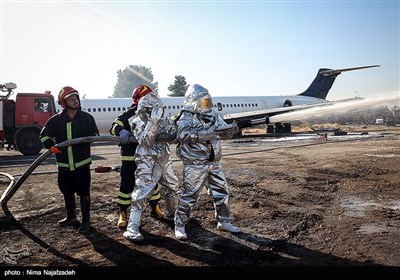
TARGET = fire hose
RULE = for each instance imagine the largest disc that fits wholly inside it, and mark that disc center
(170, 138)
(14, 186)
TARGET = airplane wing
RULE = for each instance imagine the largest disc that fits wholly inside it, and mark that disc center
(229, 118)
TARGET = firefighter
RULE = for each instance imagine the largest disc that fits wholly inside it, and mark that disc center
(153, 162)
(121, 127)
(73, 161)
(199, 146)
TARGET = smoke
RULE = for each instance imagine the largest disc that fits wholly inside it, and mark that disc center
(339, 107)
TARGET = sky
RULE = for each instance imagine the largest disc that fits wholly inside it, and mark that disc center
(232, 48)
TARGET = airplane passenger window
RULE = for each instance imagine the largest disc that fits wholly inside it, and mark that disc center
(114, 109)
(89, 110)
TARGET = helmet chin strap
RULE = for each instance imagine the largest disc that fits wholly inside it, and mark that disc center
(71, 108)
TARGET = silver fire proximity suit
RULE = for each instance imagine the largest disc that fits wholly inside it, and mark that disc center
(199, 146)
(153, 163)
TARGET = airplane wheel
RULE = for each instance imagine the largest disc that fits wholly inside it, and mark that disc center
(287, 127)
(270, 128)
(279, 127)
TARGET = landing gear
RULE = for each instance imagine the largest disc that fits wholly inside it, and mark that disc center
(279, 128)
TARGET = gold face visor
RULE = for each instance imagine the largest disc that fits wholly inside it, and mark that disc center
(205, 103)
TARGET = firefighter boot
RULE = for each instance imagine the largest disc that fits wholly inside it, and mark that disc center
(171, 203)
(122, 218)
(132, 232)
(156, 210)
(180, 233)
(227, 226)
(85, 209)
(70, 207)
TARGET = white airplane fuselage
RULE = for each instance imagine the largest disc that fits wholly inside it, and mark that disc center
(232, 108)
(105, 111)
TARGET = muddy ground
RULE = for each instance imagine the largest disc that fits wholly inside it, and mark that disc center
(300, 202)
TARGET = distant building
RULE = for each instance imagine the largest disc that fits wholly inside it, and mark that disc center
(379, 121)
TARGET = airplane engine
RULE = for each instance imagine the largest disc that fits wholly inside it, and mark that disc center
(287, 103)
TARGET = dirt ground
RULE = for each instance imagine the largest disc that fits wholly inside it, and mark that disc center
(300, 201)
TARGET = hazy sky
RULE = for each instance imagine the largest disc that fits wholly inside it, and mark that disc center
(229, 47)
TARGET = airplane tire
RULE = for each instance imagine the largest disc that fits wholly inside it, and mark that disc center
(287, 127)
(340, 132)
(270, 128)
(279, 128)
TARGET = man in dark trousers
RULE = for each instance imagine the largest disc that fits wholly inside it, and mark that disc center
(122, 128)
(73, 161)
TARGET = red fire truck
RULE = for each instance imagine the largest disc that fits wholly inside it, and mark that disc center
(22, 119)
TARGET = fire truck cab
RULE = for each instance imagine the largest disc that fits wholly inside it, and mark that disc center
(21, 120)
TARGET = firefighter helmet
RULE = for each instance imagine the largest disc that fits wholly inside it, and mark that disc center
(198, 100)
(66, 92)
(139, 92)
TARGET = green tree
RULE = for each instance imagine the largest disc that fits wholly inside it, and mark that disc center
(179, 87)
(131, 77)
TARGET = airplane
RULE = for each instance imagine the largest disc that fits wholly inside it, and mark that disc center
(232, 108)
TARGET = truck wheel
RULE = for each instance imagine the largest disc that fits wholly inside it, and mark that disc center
(28, 143)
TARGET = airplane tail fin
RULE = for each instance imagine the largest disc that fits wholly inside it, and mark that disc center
(324, 80)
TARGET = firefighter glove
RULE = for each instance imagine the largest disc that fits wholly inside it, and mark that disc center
(55, 150)
(207, 134)
(156, 114)
(124, 136)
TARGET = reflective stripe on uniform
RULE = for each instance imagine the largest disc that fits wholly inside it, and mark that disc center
(156, 194)
(118, 122)
(69, 149)
(124, 198)
(127, 158)
(44, 138)
(124, 202)
(71, 165)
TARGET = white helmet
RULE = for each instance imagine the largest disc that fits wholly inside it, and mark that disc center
(198, 100)
(150, 100)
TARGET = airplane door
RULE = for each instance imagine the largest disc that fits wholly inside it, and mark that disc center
(264, 104)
